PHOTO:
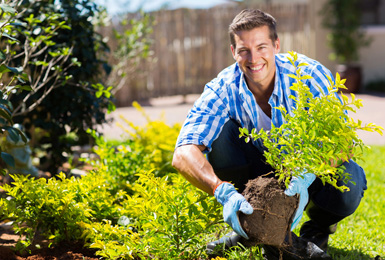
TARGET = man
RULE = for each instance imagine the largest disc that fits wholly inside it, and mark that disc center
(246, 94)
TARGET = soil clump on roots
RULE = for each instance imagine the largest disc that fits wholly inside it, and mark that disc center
(273, 212)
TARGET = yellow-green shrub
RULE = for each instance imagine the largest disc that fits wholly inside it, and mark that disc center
(146, 148)
(53, 208)
(170, 219)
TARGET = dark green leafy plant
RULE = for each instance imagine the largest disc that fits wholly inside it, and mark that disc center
(317, 136)
(376, 85)
(64, 98)
(11, 80)
(343, 18)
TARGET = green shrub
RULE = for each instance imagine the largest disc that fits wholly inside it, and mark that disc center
(54, 208)
(167, 218)
(377, 85)
(317, 135)
(146, 148)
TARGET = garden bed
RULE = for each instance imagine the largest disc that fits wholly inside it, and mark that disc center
(8, 241)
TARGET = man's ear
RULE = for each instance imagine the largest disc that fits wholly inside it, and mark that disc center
(277, 46)
(233, 51)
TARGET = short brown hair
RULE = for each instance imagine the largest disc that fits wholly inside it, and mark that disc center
(249, 19)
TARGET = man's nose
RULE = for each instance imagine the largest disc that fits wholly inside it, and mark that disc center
(253, 56)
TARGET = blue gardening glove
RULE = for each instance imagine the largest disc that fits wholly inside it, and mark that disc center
(232, 202)
(299, 185)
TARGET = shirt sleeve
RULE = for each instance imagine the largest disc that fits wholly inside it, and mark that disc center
(205, 120)
(320, 82)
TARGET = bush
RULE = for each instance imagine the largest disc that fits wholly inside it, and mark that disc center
(53, 209)
(167, 218)
(64, 98)
(124, 208)
(146, 148)
(317, 135)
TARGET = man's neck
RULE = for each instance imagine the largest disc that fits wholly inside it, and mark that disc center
(262, 95)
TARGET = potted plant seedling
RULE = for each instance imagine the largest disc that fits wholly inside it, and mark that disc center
(317, 135)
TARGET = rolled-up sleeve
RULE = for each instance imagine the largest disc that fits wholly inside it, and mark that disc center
(205, 120)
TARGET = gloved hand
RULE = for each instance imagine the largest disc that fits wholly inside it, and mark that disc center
(300, 185)
(232, 202)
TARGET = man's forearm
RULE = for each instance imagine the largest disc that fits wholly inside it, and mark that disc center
(192, 164)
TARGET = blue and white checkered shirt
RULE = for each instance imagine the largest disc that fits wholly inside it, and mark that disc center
(228, 97)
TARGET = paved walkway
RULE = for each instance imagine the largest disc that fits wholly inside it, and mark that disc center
(174, 110)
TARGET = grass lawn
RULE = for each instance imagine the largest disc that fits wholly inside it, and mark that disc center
(361, 235)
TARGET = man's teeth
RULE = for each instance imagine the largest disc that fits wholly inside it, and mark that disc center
(256, 68)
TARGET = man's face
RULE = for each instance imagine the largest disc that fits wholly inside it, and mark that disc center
(255, 54)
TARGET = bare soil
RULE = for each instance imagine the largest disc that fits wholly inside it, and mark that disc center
(273, 212)
(8, 241)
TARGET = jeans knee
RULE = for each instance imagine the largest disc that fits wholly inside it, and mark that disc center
(350, 200)
(342, 203)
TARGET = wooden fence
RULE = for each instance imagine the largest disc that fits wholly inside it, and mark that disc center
(191, 46)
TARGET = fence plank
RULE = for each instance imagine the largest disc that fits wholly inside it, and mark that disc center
(192, 46)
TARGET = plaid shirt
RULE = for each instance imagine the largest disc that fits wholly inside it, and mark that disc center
(228, 97)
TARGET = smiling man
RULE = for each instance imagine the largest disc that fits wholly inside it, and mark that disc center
(210, 154)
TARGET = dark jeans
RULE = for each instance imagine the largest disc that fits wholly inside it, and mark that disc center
(237, 161)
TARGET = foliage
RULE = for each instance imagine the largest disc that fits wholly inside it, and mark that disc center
(53, 208)
(164, 217)
(56, 37)
(376, 85)
(317, 136)
(133, 46)
(112, 220)
(12, 79)
(147, 148)
(170, 219)
(343, 18)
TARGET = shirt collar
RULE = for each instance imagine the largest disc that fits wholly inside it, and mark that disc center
(278, 89)
(277, 92)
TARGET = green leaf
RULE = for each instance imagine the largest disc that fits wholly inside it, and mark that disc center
(98, 94)
(10, 37)
(16, 70)
(8, 159)
(7, 9)
(306, 77)
(2, 55)
(4, 68)
(13, 133)
(6, 115)
(24, 87)
(302, 64)
(7, 103)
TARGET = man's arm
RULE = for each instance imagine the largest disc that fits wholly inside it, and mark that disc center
(192, 164)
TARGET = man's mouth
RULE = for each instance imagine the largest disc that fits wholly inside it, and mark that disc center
(256, 68)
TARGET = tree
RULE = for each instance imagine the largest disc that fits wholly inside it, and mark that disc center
(59, 51)
(9, 79)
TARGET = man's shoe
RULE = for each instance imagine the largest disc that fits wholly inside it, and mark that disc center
(299, 249)
(217, 247)
(310, 231)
